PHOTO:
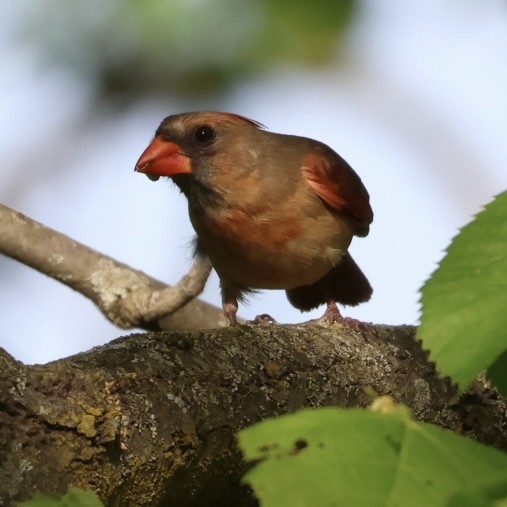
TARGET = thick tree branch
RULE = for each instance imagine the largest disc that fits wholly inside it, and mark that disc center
(127, 297)
(149, 420)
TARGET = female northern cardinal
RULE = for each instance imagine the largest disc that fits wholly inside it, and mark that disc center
(271, 211)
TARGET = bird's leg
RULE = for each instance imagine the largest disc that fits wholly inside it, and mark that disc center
(230, 302)
(333, 316)
(230, 307)
(231, 293)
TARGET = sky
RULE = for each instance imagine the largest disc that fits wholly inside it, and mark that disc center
(418, 108)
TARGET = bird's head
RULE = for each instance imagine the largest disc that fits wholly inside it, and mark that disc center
(192, 143)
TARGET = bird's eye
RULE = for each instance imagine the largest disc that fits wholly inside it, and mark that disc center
(204, 134)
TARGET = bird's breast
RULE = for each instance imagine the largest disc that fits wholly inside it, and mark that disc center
(271, 249)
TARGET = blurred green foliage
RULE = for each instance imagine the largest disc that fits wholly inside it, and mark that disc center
(74, 498)
(137, 47)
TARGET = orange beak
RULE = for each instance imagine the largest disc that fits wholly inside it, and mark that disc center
(163, 158)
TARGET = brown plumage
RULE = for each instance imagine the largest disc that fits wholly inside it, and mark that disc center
(271, 211)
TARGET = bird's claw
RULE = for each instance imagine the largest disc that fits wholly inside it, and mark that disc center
(262, 320)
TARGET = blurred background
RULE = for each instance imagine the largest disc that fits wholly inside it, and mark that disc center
(411, 94)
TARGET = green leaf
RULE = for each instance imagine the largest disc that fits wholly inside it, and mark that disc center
(355, 457)
(465, 500)
(74, 498)
(493, 493)
(464, 303)
(497, 372)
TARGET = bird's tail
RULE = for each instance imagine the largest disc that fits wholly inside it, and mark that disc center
(345, 284)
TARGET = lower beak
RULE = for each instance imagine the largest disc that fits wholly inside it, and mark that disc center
(163, 158)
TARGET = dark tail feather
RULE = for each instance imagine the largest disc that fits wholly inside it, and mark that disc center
(345, 283)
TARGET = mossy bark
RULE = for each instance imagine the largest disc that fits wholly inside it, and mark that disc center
(149, 419)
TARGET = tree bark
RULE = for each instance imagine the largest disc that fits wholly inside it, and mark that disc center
(149, 419)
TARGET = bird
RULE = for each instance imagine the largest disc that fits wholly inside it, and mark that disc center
(271, 211)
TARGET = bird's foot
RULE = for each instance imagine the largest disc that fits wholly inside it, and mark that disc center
(332, 315)
(262, 320)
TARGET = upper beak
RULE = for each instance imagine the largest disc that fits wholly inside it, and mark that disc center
(163, 158)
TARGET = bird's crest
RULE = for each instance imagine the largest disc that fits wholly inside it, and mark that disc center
(245, 119)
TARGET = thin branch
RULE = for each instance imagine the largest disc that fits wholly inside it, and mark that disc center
(160, 303)
(127, 297)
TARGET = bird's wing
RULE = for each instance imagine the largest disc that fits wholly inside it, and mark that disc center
(337, 184)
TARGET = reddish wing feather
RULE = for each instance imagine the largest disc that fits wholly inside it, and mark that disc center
(339, 187)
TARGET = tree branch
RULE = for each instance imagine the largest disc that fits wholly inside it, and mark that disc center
(149, 420)
(127, 297)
